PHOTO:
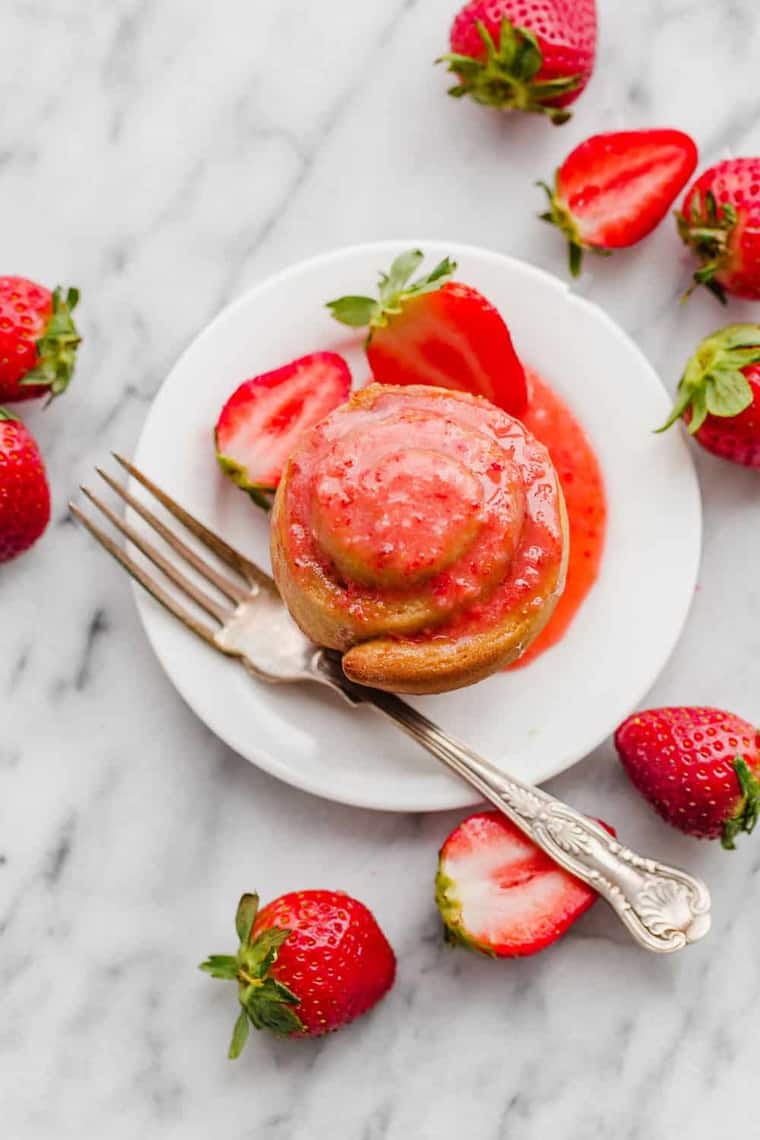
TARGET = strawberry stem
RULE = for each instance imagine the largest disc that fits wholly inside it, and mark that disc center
(558, 215)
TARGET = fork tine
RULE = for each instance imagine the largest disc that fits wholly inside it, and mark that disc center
(222, 549)
(200, 597)
(161, 596)
(231, 590)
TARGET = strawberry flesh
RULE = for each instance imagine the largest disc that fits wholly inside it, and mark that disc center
(454, 338)
(265, 417)
(500, 894)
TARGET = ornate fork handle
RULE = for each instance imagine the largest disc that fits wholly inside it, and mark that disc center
(663, 907)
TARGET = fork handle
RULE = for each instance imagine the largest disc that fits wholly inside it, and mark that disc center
(663, 907)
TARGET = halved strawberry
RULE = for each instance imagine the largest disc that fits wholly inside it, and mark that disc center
(613, 189)
(436, 331)
(499, 894)
(263, 419)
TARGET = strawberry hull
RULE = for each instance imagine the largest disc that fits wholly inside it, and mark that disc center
(525, 55)
(719, 395)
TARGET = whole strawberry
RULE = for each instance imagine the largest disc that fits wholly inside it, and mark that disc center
(308, 962)
(720, 221)
(613, 189)
(38, 339)
(698, 767)
(529, 55)
(24, 491)
(719, 395)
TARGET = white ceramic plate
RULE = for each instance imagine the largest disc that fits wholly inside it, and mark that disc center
(536, 721)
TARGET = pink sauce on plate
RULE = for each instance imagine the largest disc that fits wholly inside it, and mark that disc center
(551, 421)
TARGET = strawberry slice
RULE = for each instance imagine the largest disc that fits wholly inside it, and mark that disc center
(436, 331)
(499, 894)
(264, 418)
(613, 189)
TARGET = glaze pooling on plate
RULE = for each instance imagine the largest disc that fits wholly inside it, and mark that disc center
(580, 475)
(421, 532)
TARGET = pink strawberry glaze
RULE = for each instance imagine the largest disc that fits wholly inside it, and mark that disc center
(464, 453)
(549, 418)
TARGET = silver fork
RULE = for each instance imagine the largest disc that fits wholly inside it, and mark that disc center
(663, 907)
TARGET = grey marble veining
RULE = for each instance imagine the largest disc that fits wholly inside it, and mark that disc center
(164, 156)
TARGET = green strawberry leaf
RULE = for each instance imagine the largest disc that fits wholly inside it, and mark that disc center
(746, 815)
(246, 916)
(740, 336)
(262, 953)
(262, 496)
(400, 271)
(698, 410)
(727, 393)
(354, 311)
(269, 1009)
(222, 966)
(239, 1036)
(713, 381)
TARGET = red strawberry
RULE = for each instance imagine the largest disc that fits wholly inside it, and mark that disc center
(720, 220)
(719, 394)
(531, 55)
(38, 339)
(613, 189)
(500, 894)
(24, 491)
(263, 419)
(436, 331)
(308, 962)
(698, 767)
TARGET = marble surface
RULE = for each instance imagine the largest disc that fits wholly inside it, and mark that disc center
(164, 156)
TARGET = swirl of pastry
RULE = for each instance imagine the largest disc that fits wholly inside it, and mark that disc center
(422, 533)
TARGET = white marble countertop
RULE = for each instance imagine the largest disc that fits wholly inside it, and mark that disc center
(164, 156)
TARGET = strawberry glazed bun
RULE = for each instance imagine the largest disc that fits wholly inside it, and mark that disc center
(422, 533)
